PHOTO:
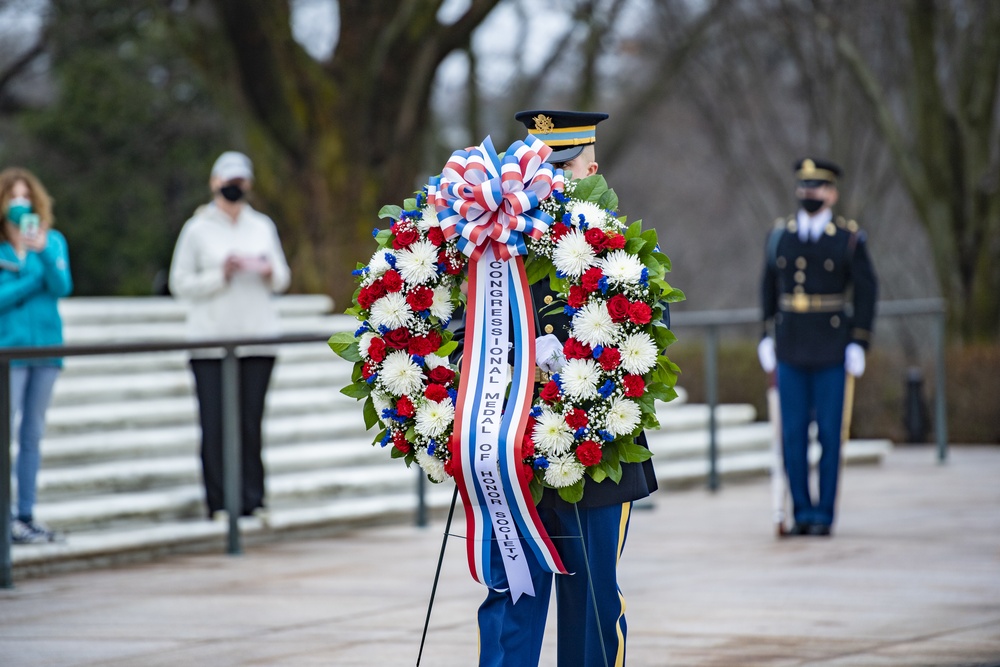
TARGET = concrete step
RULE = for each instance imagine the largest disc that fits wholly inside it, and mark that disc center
(82, 311)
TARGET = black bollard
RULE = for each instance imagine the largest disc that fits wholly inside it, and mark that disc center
(914, 409)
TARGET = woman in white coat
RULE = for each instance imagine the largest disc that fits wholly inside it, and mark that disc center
(227, 265)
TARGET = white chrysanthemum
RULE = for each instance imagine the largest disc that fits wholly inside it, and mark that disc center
(594, 215)
(621, 267)
(400, 375)
(573, 255)
(623, 416)
(638, 353)
(364, 342)
(434, 467)
(432, 361)
(442, 307)
(434, 417)
(382, 401)
(593, 325)
(418, 263)
(563, 471)
(579, 378)
(391, 311)
(552, 435)
(428, 219)
(378, 264)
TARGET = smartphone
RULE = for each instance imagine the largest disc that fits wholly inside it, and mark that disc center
(29, 225)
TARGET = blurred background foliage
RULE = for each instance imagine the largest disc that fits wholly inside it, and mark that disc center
(346, 105)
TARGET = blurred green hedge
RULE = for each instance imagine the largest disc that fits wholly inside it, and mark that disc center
(972, 386)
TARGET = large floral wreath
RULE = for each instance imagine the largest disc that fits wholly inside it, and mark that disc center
(609, 277)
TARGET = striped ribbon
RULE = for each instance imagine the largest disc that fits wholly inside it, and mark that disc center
(490, 204)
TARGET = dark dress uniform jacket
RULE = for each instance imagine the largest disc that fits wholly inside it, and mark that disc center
(638, 479)
(821, 294)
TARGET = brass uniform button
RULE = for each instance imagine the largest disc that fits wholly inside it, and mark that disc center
(792, 226)
(781, 262)
(831, 229)
(547, 299)
(835, 321)
(800, 276)
(828, 265)
(798, 289)
(549, 328)
(800, 263)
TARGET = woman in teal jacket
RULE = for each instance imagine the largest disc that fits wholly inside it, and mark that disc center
(34, 274)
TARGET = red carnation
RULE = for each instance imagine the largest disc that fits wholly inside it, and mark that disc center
(367, 296)
(435, 236)
(527, 447)
(391, 281)
(449, 467)
(640, 312)
(635, 386)
(435, 392)
(550, 393)
(420, 297)
(615, 242)
(589, 453)
(577, 297)
(597, 239)
(441, 375)
(452, 265)
(376, 350)
(421, 346)
(404, 407)
(367, 370)
(590, 278)
(399, 442)
(527, 472)
(397, 339)
(559, 230)
(576, 418)
(610, 358)
(574, 349)
(618, 306)
(405, 237)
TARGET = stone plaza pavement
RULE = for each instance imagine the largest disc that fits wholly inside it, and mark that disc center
(911, 577)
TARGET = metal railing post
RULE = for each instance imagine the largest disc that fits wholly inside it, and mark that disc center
(712, 395)
(231, 459)
(421, 498)
(940, 404)
(6, 566)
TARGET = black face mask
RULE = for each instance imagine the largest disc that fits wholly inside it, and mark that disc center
(811, 205)
(231, 192)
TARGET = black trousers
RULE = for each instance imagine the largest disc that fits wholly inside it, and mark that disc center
(255, 374)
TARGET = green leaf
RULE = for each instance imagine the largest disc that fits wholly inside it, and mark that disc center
(654, 267)
(634, 245)
(357, 390)
(383, 237)
(447, 348)
(673, 296)
(597, 473)
(634, 230)
(664, 337)
(649, 236)
(608, 201)
(352, 353)
(341, 341)
(395, 453)
(633, 453)
(390, 211)
(591, 188)
(371, 416)
(536, 490)
(663, 260)
(537, 267)
(379, 436)
(658, 390)
(574, 493)
(613, 471)
(410, 203)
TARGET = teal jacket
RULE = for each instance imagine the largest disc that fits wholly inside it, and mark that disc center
(29, 292)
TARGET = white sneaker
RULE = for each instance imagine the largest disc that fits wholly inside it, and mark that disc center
(22, 532)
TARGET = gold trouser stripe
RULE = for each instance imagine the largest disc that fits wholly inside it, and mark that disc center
(811, 303)
(622, 531)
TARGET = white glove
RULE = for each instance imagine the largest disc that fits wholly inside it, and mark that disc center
(549, 353)
(854, 360)
(765, 353)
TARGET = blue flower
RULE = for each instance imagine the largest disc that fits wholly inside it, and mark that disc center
(388, 413)
(360, 272)
(580, 432)
(371, 380)
(424, 314)
(390, 259)
(417, 359)
(603, 284)
(560, 274)
(385, 438)
(431, 447)
(541, 463)
(598, 351)
(567, 218)
(606, 389)
(558, 380)
(383, 329)
(644, 278)
(607, 437)
(362, 329)
(375, 232)
(570, 310)
(453, 394)
(559, 196)
(420, 199)
(536, 411)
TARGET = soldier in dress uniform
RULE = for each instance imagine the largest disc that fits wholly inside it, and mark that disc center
(511, 635)
(818, 296)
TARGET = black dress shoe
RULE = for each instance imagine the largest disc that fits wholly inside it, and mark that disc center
(820, 529)
(799, 529)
